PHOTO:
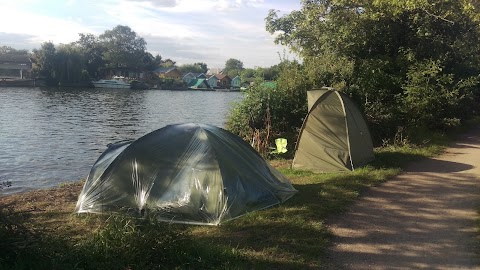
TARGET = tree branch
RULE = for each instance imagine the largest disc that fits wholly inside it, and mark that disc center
(439, 17)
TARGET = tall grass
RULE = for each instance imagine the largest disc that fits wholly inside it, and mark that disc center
(122, 243)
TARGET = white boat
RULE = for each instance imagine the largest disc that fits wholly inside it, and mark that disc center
(114, 83)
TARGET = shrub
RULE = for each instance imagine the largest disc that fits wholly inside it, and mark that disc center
(271, 110)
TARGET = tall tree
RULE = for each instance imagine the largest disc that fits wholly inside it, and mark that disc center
(93, 51)
(44, 61)
(233, 64)
(70, 64)
(158, 60)
(168, 63)
(203, 66)
(248, 74)
(194, 68)
(123, 47)
(150, 62)
(233, 67)
(409, 64)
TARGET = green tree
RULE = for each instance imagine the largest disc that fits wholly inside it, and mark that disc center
(168, 63)
(408, 64)
(44, 62)
(233, 67)
(248, 74)
(93, 51)
(269, 73)
(63, 65)
(150, 62)
(194, 68)
(233, 64)
(70, 64)
(123, 48)
(203, 66)
(269, 112)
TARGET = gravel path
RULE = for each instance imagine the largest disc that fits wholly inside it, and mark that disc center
(424, 218)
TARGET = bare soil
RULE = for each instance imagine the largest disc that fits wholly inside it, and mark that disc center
(425, 218)
(49, 209)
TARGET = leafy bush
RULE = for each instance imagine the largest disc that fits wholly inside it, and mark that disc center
(170, 83)
(433, 98)
(407, 66)
(271, 110)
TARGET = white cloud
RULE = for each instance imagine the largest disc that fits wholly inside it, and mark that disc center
(42, 28)
(160, 3)
(200, 6)
(145, 21)
(186, 31)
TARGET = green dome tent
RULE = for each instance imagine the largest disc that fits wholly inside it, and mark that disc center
(185, 173)
(334, 135)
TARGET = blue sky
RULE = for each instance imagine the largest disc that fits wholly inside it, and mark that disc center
(186, 31)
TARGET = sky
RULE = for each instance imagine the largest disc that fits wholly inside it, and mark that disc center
(186, 31)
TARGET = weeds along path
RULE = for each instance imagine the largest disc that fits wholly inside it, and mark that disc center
(424, 218)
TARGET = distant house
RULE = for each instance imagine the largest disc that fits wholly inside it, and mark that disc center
(223, 81)
(187, 78)
(21, 63)
(198, 84)
(212, 81)
(236, 82)
(170, 72)
(192, 76)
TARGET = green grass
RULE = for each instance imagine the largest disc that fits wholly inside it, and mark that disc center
(292, 235)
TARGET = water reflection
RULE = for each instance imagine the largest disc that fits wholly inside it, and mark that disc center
(50, 136)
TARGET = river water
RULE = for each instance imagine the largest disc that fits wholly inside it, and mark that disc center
(50, 136)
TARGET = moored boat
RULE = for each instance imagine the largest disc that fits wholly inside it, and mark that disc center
(114, 83)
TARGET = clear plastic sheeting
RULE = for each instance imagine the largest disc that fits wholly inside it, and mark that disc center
(186, 173)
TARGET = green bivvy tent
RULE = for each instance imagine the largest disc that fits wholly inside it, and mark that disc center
(334, 135)
(185, 173)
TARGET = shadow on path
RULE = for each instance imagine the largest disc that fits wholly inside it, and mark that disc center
(422, 219)
(441, 166)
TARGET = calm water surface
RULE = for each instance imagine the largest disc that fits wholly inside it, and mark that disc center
(52, 136)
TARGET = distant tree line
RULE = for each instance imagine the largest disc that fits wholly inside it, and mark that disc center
(84, 59)
(234, 67)
(120, 47)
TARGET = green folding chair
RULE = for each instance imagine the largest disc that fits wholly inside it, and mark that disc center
(281, 144)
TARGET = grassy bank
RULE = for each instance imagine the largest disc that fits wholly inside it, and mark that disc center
(39, 231)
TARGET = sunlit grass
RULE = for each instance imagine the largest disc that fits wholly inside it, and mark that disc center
(292, 235)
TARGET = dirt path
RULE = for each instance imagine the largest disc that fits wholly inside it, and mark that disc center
(422, 219)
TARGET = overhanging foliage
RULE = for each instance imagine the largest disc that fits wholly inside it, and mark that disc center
(408, 64)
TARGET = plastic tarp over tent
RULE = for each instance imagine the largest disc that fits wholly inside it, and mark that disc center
(334, 135)
(186, 173)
